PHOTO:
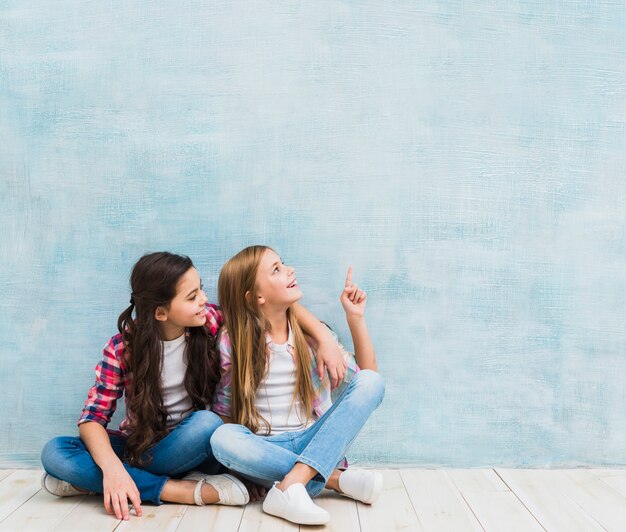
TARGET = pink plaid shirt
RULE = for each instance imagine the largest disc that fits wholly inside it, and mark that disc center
(112, 377)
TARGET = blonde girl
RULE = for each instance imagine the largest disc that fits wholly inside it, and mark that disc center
(282, 429)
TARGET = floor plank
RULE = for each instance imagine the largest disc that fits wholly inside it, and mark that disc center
(437, 502)
(4, 473)
(16, 489)
(494, 505)
(343, 511)
(165, 517)
(599, 500)
(617, 482)
(255, 520)
(41, 512)
(602, 472)
(413, 499)
(393, 511)
(211, 518)
(90, 515)
(616, 478)
(552, 508)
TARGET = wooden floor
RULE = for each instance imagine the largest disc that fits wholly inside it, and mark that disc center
(413, 499)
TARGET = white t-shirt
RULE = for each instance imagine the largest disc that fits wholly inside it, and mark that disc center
(275, 396)
(176, 400)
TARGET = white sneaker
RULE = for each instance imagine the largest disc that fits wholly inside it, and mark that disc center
(295, 505)
(361, 484)
(230, 490)
(60, 488)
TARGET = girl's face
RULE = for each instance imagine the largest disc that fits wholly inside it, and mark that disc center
(186, 309)
(276, 284)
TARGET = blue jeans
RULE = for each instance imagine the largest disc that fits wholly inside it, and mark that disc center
(185, 448)
(267, 459)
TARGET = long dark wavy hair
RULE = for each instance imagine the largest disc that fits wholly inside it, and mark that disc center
(153, 282)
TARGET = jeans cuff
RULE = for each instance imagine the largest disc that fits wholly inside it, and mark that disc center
(315, 487)
(156, 498)
(320, 470)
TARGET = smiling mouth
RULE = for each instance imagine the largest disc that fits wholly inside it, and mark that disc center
(292, 285)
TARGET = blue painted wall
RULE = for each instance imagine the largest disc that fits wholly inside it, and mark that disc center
(467, 158)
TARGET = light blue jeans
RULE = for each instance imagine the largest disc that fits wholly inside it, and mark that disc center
(185, 448)
(267, 459)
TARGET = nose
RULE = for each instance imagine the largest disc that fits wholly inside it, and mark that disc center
(203, 298)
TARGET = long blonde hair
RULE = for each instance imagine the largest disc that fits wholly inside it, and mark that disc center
(247, 328)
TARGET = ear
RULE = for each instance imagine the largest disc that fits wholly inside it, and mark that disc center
(260, 298)
(160, 314)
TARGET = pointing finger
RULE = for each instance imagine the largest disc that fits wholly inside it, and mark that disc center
(349, 277)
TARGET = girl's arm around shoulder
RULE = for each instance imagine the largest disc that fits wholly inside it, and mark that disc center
(214, 318)
(222, 398)
(353, 300)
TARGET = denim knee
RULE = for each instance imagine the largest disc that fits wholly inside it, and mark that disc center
(54, 455)
(49, 453)
(205, 422)
(225, 438)
(371, 384)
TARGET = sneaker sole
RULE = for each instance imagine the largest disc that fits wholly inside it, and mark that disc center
(303, 521)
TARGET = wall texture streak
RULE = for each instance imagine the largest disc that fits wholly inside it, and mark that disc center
(467, 158)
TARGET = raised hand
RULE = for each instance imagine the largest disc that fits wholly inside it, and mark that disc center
(353, 298)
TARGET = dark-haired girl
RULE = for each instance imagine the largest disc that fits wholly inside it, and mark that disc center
(164, 360)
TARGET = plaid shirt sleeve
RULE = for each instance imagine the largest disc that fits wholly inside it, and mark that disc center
(214, 318)
(222, 400)
(109, 385)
